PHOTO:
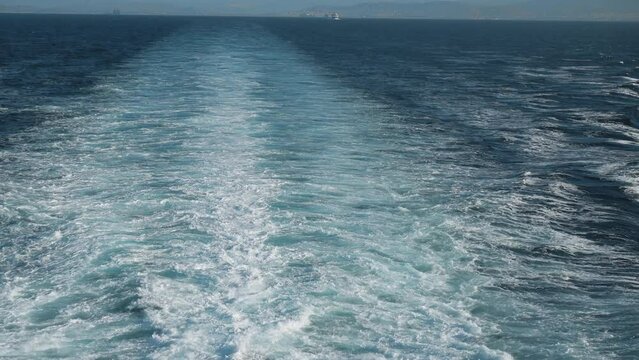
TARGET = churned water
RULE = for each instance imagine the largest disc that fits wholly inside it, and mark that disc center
(300, 189)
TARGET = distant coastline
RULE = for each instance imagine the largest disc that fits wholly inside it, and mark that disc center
(322, 18)
(531, 10)
(558, 10)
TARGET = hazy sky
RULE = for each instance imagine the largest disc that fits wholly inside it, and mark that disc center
(248, 6)
(532, 9)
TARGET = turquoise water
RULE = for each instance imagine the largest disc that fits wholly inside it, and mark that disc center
(222, 193)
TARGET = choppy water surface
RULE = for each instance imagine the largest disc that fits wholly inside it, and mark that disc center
(282, 188)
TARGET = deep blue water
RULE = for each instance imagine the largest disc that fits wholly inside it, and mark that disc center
(302, 189)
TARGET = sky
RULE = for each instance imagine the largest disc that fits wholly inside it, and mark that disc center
(531, 9)
(205, 6)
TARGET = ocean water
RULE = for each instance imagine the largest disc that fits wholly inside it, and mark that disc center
(237, 188)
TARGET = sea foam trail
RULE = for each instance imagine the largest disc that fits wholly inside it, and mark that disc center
(200, 288)
(148, 231)
(205, 208)
(365, 266)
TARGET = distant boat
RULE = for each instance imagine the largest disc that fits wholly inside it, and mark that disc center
(116, 12)
(335, 17)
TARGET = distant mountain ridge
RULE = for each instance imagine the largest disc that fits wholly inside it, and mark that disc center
(614, 10)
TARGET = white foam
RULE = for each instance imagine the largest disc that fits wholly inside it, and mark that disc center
(624, 173)
(626, 92)
(633, 189)
(581, 68)
(259, 343)
(529, 179)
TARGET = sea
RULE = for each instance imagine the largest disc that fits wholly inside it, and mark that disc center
(288, 188)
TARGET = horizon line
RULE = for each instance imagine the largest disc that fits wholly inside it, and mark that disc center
(300, 16)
